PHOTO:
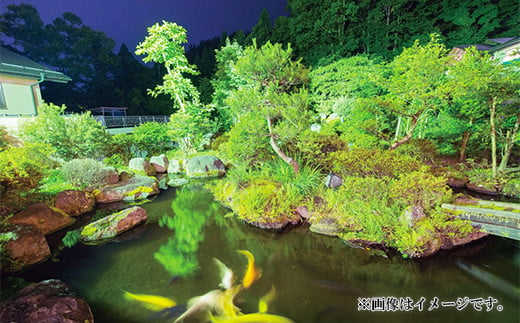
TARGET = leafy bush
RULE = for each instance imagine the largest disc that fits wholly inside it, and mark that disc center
(71, 136)
(421, 189)
(85, 173)
(371, 162)
(6, 139)
(247, 143)
(122, 144)
(21, 169)
(152, 138)
(115, 160)
(54, 182)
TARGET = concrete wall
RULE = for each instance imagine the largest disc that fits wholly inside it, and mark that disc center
(22, 96)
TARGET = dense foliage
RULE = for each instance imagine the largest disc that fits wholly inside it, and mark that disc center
(71, 136)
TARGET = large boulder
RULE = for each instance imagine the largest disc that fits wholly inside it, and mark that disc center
(113, 225)
(29, 247)
(74, 202)
(137, 187)
(205, 166)
(159, 163)
(46, 301)
(141, 165)
(44, 218)
(176, 166)
(111, 175)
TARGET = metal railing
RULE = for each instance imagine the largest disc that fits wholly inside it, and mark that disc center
(129, 121)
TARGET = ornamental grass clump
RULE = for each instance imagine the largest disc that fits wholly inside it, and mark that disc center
(85, 173)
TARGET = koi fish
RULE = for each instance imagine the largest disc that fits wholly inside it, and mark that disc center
(151, 302)
(204, 303)
(226, 275)
(263, 304)
(252, 273)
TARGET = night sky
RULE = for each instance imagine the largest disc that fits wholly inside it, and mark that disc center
(126, 21)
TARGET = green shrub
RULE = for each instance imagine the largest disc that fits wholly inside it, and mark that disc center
(420, 188)
(247, 143)
(152, 138)
(21, 169)
(371, 162)
(115, 160)
(71, 136)
(54, 182)
(85, 173)
(124, 145)
(314, 147)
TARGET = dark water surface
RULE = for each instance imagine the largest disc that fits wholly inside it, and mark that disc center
(317, 278)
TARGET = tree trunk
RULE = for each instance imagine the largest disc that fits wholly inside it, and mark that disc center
(409, 133)
(510, 142)
(492, 109)
(277, 149)
(463, 146)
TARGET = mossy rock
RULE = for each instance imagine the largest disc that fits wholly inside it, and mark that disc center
(113, 225)
(204, 167)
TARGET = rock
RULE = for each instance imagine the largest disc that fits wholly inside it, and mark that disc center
(44, 218)
(457, 182)
(429, 247)
(175, 166)
(326, 226)
(111, 175)
(28, 248)
(412, 214)
(480, 188)
(466, 199)
(205, 166)
(74, 202)
(160, 163)
(141, 165)
(333, 181)
(113, 225)
(276, 223)
(162, 181)
(125, 176)
(178, 182)
(303, 211)
(450, 242)
(137, 187)
(46, 301)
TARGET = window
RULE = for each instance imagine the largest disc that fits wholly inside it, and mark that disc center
(3, 104)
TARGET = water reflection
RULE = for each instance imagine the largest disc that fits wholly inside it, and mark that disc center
(191, 207)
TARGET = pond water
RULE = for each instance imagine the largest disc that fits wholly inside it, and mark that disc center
(317, 278)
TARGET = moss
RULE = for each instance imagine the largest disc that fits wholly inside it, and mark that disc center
(88, 230)
(138, 192)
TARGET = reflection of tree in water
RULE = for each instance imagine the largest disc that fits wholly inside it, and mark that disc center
(191, 207)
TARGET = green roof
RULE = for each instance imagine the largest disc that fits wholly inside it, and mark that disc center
(17, 65)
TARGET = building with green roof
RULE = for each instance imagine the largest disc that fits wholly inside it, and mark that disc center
(20, 80)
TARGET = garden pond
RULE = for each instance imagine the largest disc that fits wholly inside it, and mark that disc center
(317, 278)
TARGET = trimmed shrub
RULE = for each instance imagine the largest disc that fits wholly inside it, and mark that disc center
(85, 173)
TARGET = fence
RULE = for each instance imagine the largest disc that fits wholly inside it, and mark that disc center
(129, 121)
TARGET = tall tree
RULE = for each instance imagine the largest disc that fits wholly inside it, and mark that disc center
(262, 30)
(495, 87)
(415, 86)
(273, 91)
